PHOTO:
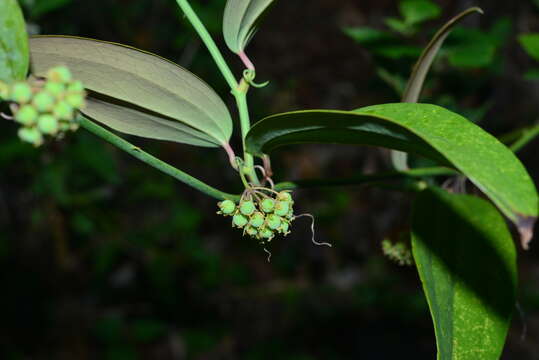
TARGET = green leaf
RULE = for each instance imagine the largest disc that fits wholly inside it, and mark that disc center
(239, 21)
(466, 260)
(367, 35)
(422, 67)
(400, 26)
(423, 129)
(530, 43)
(532, 75)
(136, 92)
(14, 56)
(417, 11)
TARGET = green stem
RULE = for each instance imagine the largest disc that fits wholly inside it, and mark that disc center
(527, 135)
(366, 179)
(208, 41)
(153, 161)
(241, 101)
(238, 90)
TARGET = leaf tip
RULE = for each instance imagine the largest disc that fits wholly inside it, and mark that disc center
(525, 226)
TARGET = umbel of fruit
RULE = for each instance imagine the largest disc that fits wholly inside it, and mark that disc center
(45, 106)
(261, 214)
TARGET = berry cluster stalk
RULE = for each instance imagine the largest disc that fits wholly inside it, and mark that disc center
(153, 161)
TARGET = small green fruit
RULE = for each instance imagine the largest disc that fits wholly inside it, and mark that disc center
(265, 233)
(26, 115)
(239, 220)
(282, 208)
(247, 208)
(4, 90)
(21, 92)
(47, 124)
(227, 207)
(59, 74)
(267, 205)
(54, 88)
(30, 135)
(63, 111)
(284, 196)
(273, 221)
(75, 86)
(43, 101)
(251, 231)
(74, 127)
(283, 229)
(76, 100)
(257, 220)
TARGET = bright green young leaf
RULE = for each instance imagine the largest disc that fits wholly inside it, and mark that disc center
(423, 129)
(137, 92)
(239, 21)
(417, 11)
(422, 67)
(530, 43)
(466, 260)
(13, 42)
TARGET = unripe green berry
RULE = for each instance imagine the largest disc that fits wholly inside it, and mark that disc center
(284, 196)
(64, 126)
(54, 88)
(283, 229)
(265, 233)
(74, 127)
(21, 92)
(290, 214)
(59, 74)
(267, 205)
(63, 111)
(239, 220)
(247, 208)
(273, 221)
(75, 86)
(282, 208)
(251, 231)
(26, 115)
(43, 101)
(30, 135)
(257, 220)
(47, 124)
(76, 100)
(4, 90)
(227, 207)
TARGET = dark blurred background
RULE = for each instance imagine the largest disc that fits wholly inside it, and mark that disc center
(102, 257)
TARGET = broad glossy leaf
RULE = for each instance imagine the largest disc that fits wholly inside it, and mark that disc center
(421, 68)
(423, 129)
(13, 42)
(530, 43)
(466, 260)
(239, 21)
(154, 92)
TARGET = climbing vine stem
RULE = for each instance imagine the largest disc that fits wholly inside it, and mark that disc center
(238, 90)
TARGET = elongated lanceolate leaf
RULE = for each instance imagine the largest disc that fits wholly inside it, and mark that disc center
(239, 21)
(13, 42)
(137, 92)
(466, 260)
(424, 129)
(421, 68)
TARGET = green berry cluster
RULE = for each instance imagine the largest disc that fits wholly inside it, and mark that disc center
(398, 252)
(261, 215)
(45, 106)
